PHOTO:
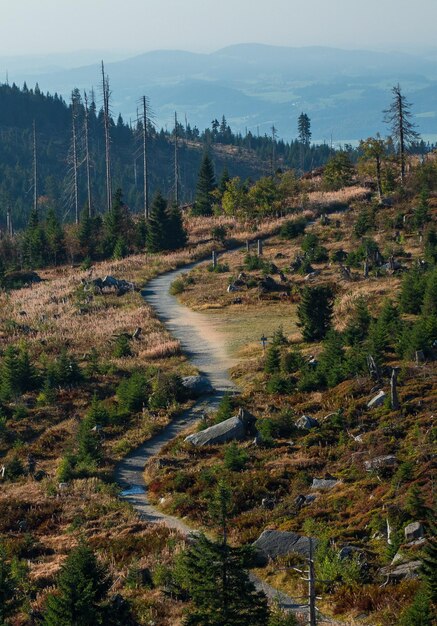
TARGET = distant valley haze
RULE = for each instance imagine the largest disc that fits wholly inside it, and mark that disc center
(335, 60)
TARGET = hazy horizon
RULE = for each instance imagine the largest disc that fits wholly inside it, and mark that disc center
(49, 27)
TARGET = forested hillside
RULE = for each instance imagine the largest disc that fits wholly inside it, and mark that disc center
(246, 157)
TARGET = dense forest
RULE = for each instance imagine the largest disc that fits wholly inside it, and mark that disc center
(247, 157)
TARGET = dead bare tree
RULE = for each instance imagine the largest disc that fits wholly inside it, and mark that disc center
(176, 161)
(398, 117)
(106, 123)
(145, 161)
(35, 171)
(74, 114)
(87, 152)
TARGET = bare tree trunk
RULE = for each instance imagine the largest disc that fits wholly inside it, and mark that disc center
(176, 161)
(87, 155)
(35, 171)
(75, 175)
(106, 120)
(393, 389)
(378, 179)
(146, 174)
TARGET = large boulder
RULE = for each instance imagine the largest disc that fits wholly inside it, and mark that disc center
(197, 386)
(381, 463)
(306, 422)
(401, 572)
(233, 429)
(413, 531)
(272, 544)
(324, 484)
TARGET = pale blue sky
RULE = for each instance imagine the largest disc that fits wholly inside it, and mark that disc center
(51, 26)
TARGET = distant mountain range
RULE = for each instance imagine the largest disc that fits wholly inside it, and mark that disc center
(256, 86)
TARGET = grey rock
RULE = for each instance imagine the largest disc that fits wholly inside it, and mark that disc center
(197, 385)
(381, 462)
(324, 483)
(413, 531)
(404, 571)
(377, 400)
(234, 428)
(272, 544)
(348, 552)
(306, 422)
(398, 558)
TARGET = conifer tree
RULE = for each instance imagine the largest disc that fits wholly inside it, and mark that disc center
(177, 235)
(156, 229)
(7, 588)
(304, 129)
(82, 587)
(55, 237)
(224, 179)
(430, 296)
(10, 383)
(358, 325)
(273, 359)
(412, 290)
(205, 186)
(315, 312)
(215, 576)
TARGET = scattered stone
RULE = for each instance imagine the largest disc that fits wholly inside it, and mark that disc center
(234, 428)
(272, 544)
(324, 483)
(237, 301)
(381, 462)
(306, 422)
(377, 400)
(197, 385)
(109, 283)
(401, 572)
(414, 531)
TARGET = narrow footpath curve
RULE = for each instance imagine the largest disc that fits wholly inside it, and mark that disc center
(205, 347)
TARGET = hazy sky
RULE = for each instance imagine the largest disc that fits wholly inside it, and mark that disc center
(46, 26)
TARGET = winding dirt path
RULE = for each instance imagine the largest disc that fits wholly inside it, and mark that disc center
(204, 344)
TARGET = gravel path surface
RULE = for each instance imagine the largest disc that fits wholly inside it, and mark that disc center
(205, 347)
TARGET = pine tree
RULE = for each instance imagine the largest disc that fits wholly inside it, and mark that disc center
(431, 246)
(224, 179)
(7, 588)
(157, 235)
(34, 242)
(429, 564)
(358, 325)
(10, 384)
(412, 290)
(430, 296)
(315, 312)
(82, 587)
(421, 214)
(205, 186)
(177, 235)
(332, 359)
(304, 129)
(222, 594)
(55, 237)
(273, 360)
